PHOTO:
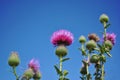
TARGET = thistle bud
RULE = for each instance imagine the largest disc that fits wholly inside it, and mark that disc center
(108, 44)
(13, 60)
(104, 18)
(61, 51)
(102, 58)
(83, 70)
(94, 58)
(28, 74)
(82, 39)
(37, 75)
(90, 45)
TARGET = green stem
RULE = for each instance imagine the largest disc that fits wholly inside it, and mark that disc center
(14, 72)
(102, 76)
(61, 76)
(88, 63)
(104, 24)
(88, 74)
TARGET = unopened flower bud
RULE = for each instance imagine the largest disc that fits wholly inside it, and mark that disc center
(102, 58)
(82, 39)
(104, 18)
(28, 74)
(83, 70)
(13, 60)
(94, 58)
(108, 44)
(61, 51)
(90, 45)
(37, 75)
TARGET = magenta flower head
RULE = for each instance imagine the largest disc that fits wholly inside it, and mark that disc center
(63, 37)
(111, 37)
(34, 65)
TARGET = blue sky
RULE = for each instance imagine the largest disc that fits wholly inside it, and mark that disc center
(27, 25)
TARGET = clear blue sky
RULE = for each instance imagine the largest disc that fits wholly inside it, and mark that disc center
(27, 25)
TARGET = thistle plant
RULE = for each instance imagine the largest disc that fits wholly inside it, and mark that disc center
(96, 52)
(31, 72)
(61, 39)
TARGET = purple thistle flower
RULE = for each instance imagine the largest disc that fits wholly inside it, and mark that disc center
(63, 37)
(111, 37)
(34, 65)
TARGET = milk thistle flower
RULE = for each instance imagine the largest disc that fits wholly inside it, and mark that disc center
(34, 65)
(111, 37)
(62, 37)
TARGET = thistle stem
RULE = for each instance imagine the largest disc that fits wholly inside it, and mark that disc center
(14, 72)
(61, 76)
(88, 74)
(104, 24)
(102, 77)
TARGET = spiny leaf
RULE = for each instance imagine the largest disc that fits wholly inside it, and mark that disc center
(65, 79)
(57, 69)
(100, 46)
(108, 53)
(107, 25)
(65, 59)
(81, 78)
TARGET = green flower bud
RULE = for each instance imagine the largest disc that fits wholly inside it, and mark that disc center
(13, 60)
(37, 75)
(94, 58)
(82, 39)
(61, 51)
(104, 18)
(90, 45)
(28, 74)
(83, 70)
(102, 58)
(108, 44)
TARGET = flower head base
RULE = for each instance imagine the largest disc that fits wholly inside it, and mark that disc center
(108, 44)
(37, 75)
(94, 37)
(111, 37)
(61, 51)
(28, 74)
(63, 37)
(34, 65)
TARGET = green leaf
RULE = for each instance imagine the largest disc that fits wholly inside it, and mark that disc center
(107, 25)
(65, 59)
(108, 53)
(100, 46)
(81, 78)
(57, 69)
(65, 79)
(65, 72)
